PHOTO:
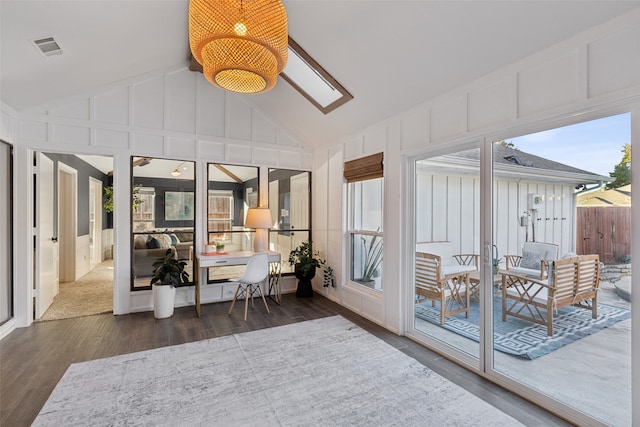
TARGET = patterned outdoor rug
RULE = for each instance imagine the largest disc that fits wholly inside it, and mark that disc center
(320, 372)
(526, 339)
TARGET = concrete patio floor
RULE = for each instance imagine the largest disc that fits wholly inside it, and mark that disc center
(592, 374)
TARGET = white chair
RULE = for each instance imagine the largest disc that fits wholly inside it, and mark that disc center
(249, 284)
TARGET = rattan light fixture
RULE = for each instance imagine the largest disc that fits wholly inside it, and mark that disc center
(241, 44)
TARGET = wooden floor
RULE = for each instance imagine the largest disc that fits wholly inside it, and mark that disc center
(33, 359)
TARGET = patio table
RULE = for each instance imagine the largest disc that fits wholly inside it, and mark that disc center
(474, 282)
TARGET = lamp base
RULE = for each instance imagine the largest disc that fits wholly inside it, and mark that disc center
(258, 241)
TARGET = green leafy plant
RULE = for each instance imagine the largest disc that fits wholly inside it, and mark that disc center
(108, 198)
(167, 270)
(496, 259)
(372, 257)
(305, 257)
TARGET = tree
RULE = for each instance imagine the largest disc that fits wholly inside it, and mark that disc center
(622, 171)
(507, 144)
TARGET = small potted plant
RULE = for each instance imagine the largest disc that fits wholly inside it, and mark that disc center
(372, 258)
(496, 260)
(219, 247)
(305, 262)
(168, 273)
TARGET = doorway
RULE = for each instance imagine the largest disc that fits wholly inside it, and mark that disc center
(83, 233)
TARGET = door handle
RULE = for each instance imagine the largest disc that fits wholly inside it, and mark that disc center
(54, 239)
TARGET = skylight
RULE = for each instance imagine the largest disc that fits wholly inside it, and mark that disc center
(312, 81)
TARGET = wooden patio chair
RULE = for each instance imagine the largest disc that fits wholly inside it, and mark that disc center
(572, 281)
(448, 287)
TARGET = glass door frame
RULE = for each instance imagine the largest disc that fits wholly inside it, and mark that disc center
(484, 365)
(451, 352)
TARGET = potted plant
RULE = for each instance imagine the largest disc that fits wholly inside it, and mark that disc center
(168, 273)
(372, 258)
(305, 262)
(108, 198)
(496, 260)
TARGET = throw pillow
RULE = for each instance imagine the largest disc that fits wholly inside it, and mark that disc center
(153, 243)
(164, 239)
(140, 242)
(531, 259)
(174, 239)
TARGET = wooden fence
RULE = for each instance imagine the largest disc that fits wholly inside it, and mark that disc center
(605, 231)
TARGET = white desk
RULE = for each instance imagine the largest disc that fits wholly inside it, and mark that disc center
(204, 261)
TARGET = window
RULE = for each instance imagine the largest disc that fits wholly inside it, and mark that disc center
(289, 203)
(220, 214)
(365, 229)
(143, 207)
(312, 81)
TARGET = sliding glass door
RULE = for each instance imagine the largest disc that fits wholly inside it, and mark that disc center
(446, 298)
(522, 264)
(562, 232)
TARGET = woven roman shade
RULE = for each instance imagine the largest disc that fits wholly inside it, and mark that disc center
(369, 167)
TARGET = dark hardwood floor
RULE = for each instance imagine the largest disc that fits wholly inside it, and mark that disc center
(33, 359)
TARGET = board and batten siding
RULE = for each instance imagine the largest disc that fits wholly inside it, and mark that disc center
(448, 209)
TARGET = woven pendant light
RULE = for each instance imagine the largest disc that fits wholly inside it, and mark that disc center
(241, 44)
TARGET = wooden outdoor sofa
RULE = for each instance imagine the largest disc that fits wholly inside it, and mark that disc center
(571, 281)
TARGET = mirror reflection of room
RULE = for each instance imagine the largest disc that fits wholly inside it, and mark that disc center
(231, 191)
(289, 204)
(163, 214)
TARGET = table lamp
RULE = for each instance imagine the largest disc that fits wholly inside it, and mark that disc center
(260, 219)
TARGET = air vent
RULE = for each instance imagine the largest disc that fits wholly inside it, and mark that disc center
(48, 46)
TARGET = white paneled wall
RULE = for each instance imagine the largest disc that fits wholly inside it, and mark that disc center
(173, 114)
(598, 70)
(177, 114)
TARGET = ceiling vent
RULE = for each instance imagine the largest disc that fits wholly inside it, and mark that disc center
(48, 46)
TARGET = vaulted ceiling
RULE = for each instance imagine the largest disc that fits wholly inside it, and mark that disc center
(390, 55)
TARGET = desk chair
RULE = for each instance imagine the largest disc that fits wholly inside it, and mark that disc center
(249, 284)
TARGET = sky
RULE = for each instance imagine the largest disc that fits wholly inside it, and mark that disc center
(594, 146)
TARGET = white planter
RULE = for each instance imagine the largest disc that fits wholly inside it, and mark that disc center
(163, 301)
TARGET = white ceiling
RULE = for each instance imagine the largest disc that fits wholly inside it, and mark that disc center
(390, 55)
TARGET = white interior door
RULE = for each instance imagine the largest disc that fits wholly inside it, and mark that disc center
(95, 222)
(47, 246)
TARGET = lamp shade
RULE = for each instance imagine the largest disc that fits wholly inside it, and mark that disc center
(241, 44)
(258, 218)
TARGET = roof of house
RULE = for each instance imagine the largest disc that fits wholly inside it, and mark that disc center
(612, 197)
(520, 163)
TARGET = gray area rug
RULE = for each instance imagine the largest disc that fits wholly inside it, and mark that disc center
(321, 372)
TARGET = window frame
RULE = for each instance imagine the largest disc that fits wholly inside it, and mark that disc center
(354, 232)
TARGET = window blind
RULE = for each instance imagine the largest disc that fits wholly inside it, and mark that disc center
(369, 167)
